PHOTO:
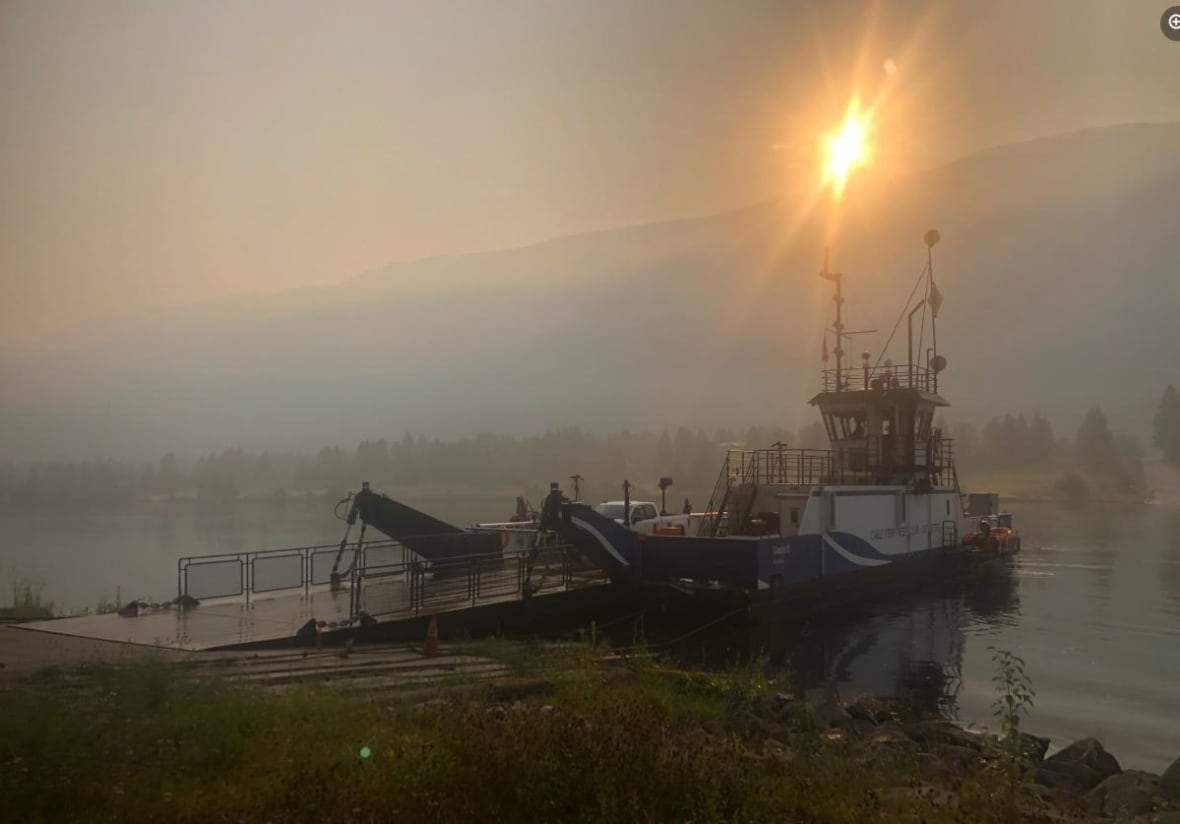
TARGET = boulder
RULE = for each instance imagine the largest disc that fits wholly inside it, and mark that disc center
(1033, 747)
(879, 710)
(1067, 775)
(958, 760)
(931, 734)
(859, 725)
(861, 710)
(831, 714)
(890, 736)
(1126, 794)
(1170, 783)
(1088, 752)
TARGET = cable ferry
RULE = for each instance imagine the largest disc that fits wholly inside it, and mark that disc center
(807, 526)
(804, 528)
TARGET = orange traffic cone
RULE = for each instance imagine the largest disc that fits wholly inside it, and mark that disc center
(431, 645)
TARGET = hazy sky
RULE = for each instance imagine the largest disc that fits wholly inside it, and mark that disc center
(157, 152)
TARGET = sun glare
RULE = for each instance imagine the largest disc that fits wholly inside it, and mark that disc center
(845, 148)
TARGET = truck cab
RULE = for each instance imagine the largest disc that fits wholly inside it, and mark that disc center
(645, 517)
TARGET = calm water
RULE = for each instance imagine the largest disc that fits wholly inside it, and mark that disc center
(1092, 605)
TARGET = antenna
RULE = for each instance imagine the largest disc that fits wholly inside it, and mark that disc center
(932, 237)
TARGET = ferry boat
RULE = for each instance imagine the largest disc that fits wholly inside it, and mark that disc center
(804, 529)
(808, 527)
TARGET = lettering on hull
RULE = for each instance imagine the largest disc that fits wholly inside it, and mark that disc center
(898, 532)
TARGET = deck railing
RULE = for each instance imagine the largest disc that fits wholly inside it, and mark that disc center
(249, 574)
(418, 587)
(387, 578)
(881, 461)
(853, 378)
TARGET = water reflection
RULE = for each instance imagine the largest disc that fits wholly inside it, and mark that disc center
(1092, 604)
(910, 648)
(1168, 542)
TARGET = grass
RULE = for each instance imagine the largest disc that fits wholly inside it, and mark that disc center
(634, 742)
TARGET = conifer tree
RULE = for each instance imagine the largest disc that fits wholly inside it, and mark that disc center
(1167, 426)
(1094, 445)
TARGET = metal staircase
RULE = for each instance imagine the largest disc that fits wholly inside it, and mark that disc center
(733, 495)
(964, 499)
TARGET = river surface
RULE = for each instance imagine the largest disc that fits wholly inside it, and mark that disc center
(1092, 605)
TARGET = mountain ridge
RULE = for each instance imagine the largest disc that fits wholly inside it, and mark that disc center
(711, 321)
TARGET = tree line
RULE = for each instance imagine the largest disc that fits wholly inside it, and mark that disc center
(492, 463)
(525, 465)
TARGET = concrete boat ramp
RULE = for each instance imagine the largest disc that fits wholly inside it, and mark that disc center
(32, 657)
(321, 594)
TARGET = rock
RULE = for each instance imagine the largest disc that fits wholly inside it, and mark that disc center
(933, 733)
(1128, 793)
(831, 714)
(959, 759)
(862, 727)
(891, 736)
(1033, 747)
(1067, 775)
(773, 729)
(861, 711)
(880, 710)
(1170, 783)
(1090, 753)
(1040, 792)
(782, 700)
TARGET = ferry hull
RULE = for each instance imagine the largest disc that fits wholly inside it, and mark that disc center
(806, 598)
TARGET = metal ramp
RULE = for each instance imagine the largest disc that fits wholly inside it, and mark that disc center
(256, 597)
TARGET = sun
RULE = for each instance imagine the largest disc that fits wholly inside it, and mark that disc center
(846, 148)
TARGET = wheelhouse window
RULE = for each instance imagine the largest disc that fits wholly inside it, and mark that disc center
(922, 422)
(844, 426)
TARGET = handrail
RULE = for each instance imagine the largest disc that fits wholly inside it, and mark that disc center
(246, 560)
(463, 580)
(852, 379)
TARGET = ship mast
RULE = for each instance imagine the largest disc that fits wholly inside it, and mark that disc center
(838, 279)
(838, 326)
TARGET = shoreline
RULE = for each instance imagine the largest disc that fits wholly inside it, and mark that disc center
(758, 745)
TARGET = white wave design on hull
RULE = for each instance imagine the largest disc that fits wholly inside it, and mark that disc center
(830, 542)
